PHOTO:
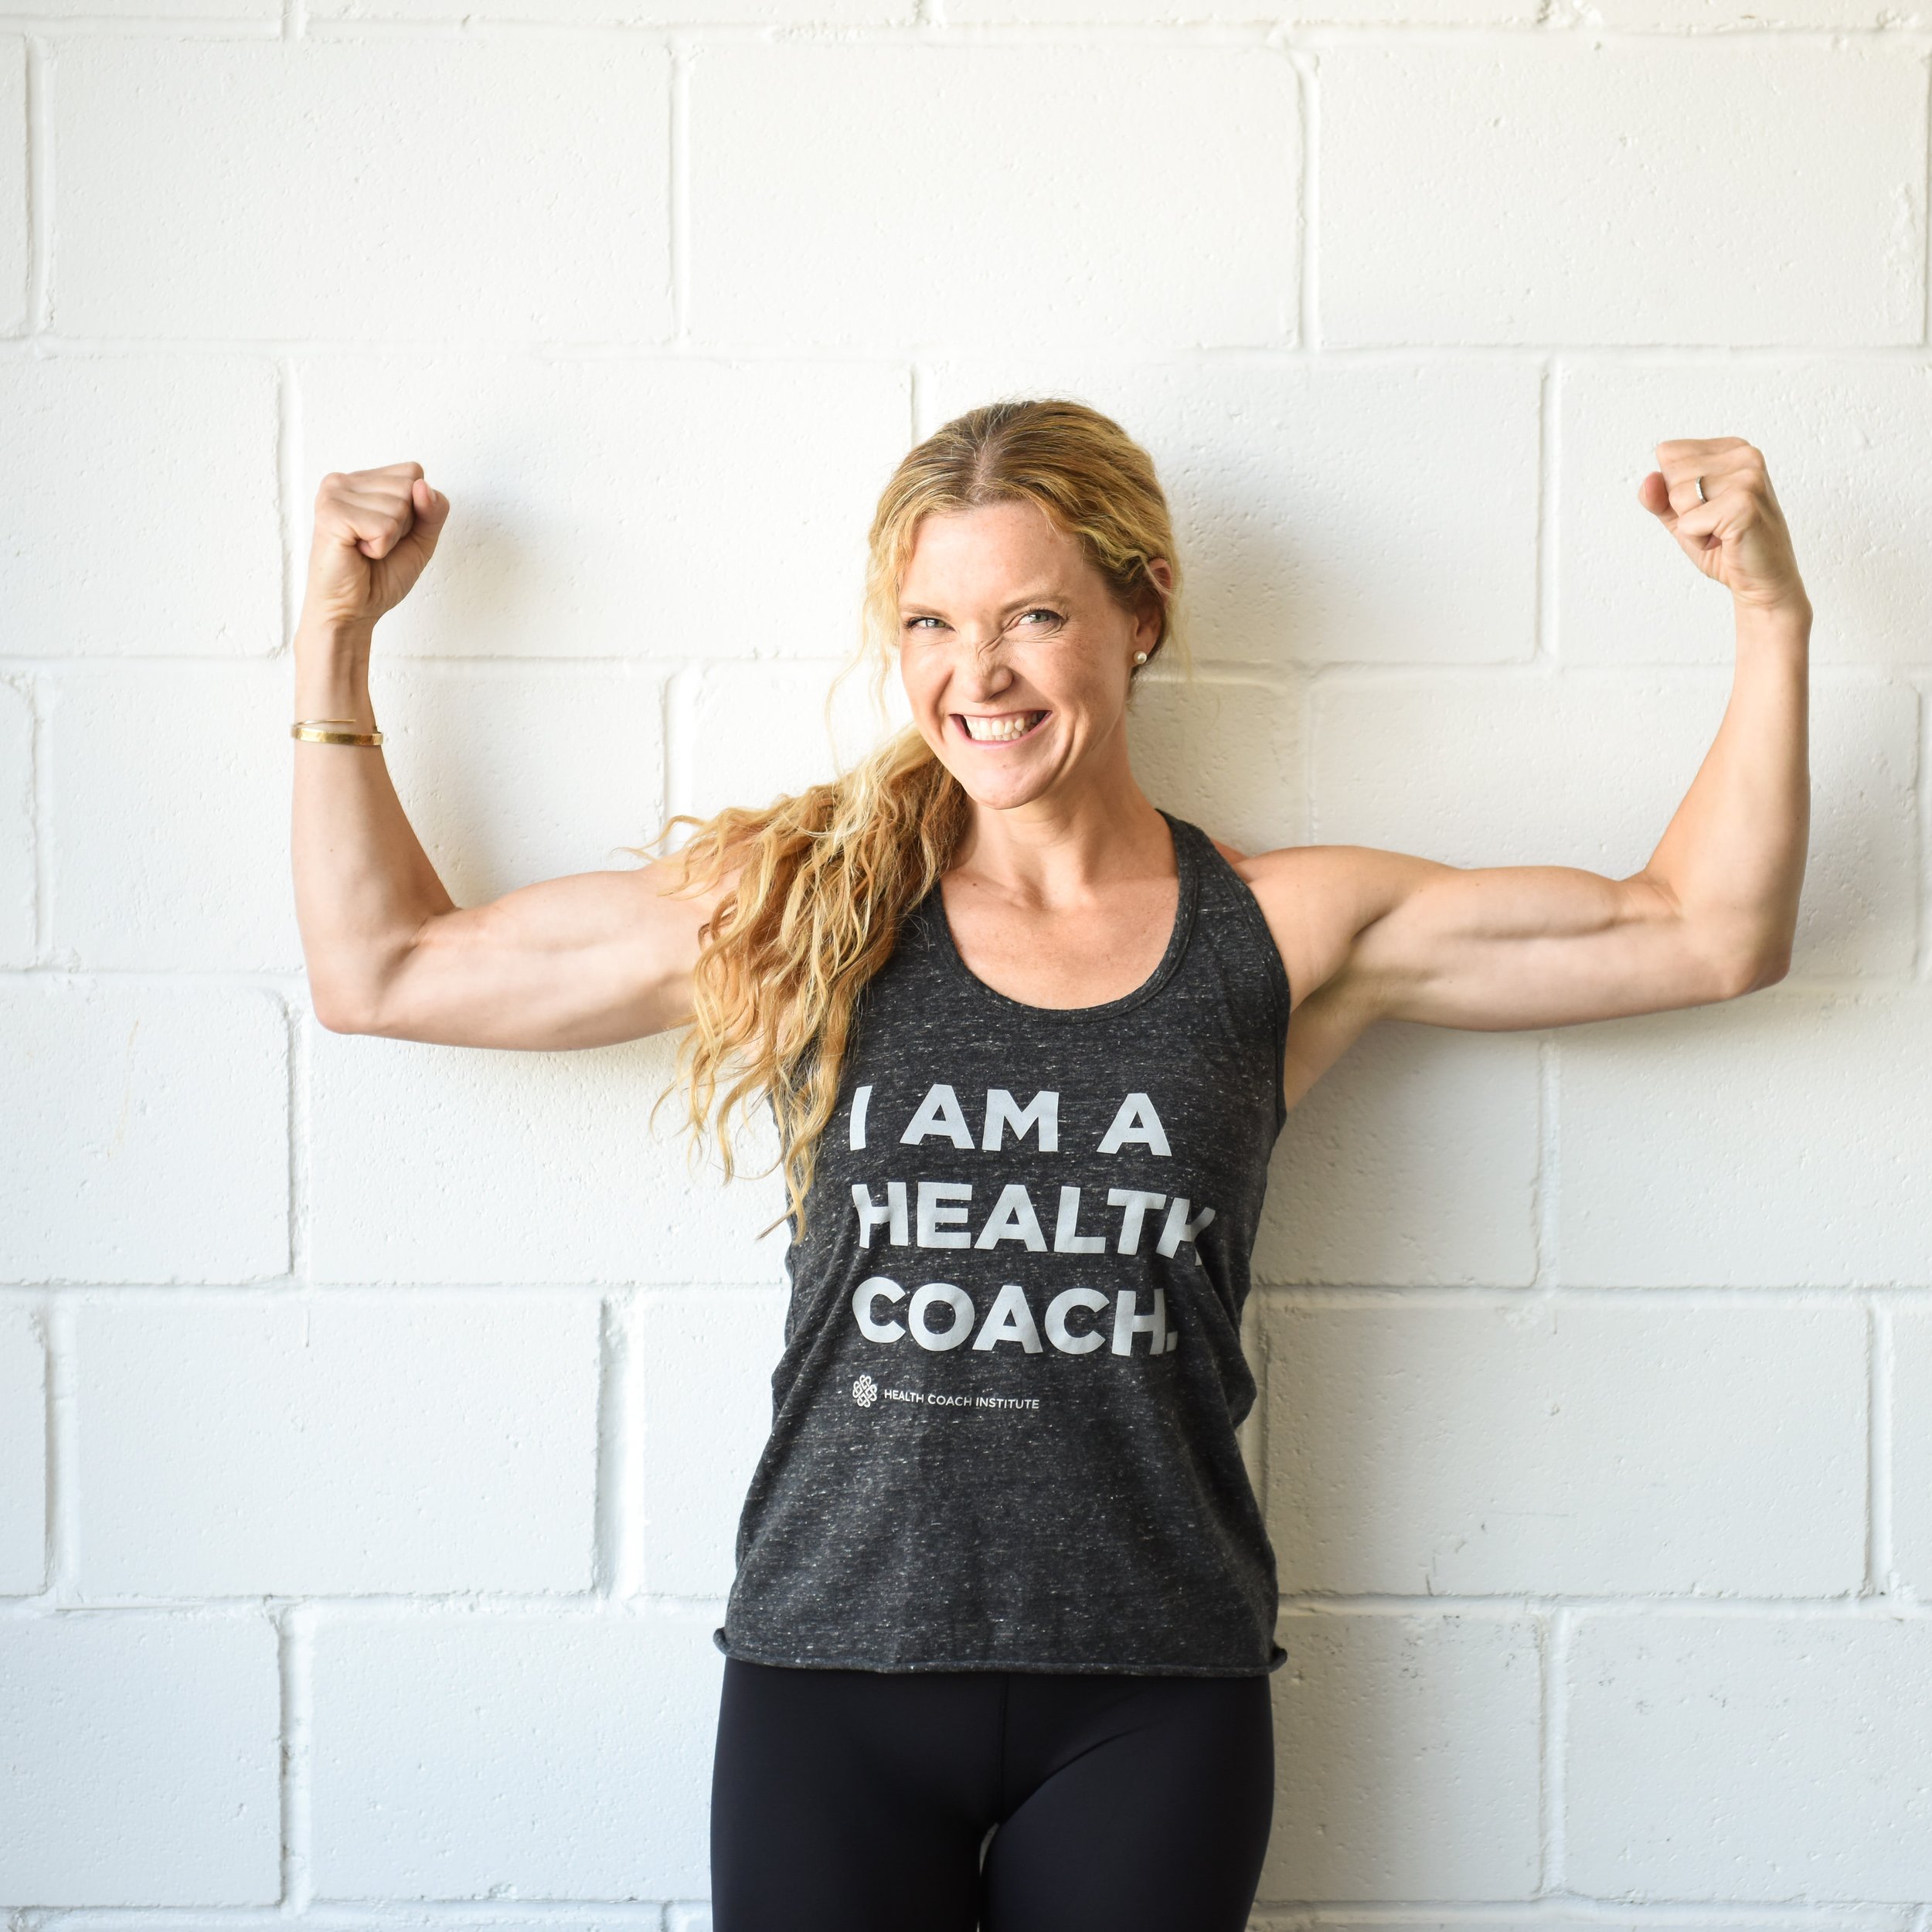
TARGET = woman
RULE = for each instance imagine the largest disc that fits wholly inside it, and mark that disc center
(998, 1642)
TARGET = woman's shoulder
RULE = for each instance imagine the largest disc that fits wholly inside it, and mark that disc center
(1316, 898)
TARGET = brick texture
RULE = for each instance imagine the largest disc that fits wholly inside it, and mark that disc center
(375, 1416)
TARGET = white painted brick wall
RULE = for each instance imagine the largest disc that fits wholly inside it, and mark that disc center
(943, 208)
(141, 1748)
(706, 1356)
(335, 1444)
(547, 1756)
(1784, 1756)
(404, 209)
(1509, 1448)
(1424, 472)
(1777, 1141)
(375, 1417)
(1393, 758)
(148, 1131)
(746, 733)
(469, 1163)
(153, 860)
(1587, 175)
(13, 181)
(469, 746)
(1845, 440)
(23, 1452)
(1911, 1474)
(1406, 1758)
(139, 493)
(17, 855)
(602, 509)
(1419, 1165)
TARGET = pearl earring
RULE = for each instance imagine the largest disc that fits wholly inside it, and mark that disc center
(1140, 656)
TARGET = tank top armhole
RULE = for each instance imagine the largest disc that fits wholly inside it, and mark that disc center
(1280, 993)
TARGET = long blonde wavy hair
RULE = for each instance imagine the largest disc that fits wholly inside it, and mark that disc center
(825, 878)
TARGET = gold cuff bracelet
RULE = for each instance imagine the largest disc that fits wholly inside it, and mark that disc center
(315, 731)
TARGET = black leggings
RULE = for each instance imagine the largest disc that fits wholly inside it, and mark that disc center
(859, 1800)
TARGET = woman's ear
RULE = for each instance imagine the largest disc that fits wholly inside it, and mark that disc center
(1152, 619)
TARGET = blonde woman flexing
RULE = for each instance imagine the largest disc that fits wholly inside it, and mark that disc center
(998, 1644)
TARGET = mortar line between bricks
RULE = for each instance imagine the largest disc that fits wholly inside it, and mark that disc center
(1880, 1368)
(1508, 1607)
(283, 983)
(915, 32)
(1554, 1742)
(41, 1316)
(1848, 1297)
(1624, 1913)
(1922, 832)
(677, 187)
(198, 1293)
(1548, 455)
(1290, 674)
(652, 353)
(645, 1607)
(299, 1114)
(122, 26)
(290, 983)
(1925, 218)
(63, 1527)
(295, 1630)
(510, 1912)
(587, 1913)
(1549, 1179)
(671, 688)
(38, 139)
(1302, 688)
(1308, 312)
(288, 453)
(1704, 1916)
(1525, 672)
(394, 1608)
(198, 1286)
(616, 1571)
(39, 812)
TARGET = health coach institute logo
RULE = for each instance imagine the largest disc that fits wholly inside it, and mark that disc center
(865, 1392)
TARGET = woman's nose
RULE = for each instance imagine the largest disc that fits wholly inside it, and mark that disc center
(985, 672)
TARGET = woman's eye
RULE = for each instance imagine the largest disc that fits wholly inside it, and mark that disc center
(1039, 618)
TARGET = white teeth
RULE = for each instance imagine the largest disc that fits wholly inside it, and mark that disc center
(993, 730)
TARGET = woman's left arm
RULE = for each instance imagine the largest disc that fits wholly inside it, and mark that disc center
(1383, 935)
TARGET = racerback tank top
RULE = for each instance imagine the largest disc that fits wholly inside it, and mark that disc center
(1004, 1417)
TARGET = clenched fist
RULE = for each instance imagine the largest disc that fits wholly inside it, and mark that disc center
(375, 531)
(1735, 532)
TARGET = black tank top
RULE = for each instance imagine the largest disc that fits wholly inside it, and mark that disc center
(1003, 1421)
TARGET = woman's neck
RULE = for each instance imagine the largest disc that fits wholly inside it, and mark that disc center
(1062, 848)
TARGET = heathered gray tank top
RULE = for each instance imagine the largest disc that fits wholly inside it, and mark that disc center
(1003, 1421)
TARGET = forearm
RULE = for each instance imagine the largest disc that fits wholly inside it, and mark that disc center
(364, 885)
(1732, 857)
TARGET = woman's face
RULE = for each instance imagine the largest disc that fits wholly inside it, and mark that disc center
(1015, 656)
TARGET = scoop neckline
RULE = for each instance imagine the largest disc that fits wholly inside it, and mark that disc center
(1187, 868)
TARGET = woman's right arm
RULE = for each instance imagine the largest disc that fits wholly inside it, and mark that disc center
(581, 962)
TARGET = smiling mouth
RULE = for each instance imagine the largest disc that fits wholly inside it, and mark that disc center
(1003, 729)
